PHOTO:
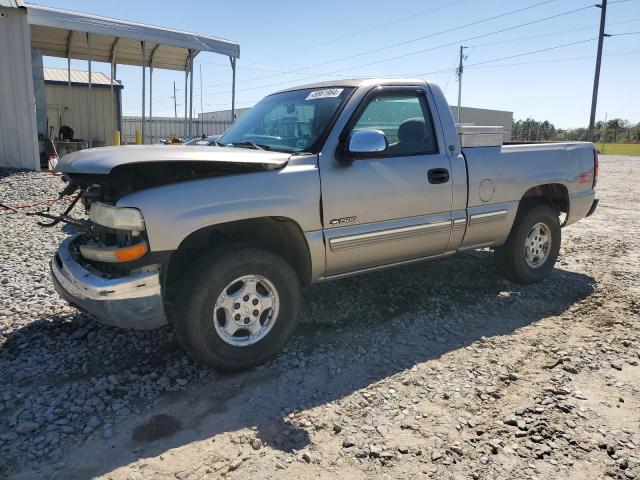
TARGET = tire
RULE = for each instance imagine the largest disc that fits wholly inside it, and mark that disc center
(511, 258)
(200, 322)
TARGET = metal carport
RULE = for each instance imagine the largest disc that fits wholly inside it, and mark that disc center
(74, 35)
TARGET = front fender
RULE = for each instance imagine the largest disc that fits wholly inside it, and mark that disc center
(172, 212)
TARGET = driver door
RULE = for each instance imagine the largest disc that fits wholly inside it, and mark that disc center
(387, 208)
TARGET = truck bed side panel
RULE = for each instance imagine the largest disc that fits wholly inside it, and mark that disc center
(500, 176)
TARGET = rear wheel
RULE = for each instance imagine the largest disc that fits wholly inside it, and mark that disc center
(532, 248)
(237, 308)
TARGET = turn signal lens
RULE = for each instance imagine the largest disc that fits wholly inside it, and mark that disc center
(133, 252)
(114, 254)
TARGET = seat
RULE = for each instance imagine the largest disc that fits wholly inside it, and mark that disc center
(412, 136)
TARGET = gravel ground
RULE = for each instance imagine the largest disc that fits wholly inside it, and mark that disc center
(437, 370)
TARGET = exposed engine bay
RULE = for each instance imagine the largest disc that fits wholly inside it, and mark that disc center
(132, 177)
(113, 251)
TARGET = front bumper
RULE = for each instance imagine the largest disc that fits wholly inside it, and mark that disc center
(133, 301)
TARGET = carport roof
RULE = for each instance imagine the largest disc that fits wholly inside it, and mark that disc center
(62, 33)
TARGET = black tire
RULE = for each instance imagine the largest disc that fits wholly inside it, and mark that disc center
(510, 258)
(194, 319)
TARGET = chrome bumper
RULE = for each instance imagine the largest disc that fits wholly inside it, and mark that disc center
(134, 301)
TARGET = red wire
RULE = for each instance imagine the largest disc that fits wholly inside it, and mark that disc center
(46, 201)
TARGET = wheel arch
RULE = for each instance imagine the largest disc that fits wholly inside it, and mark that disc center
(282, 235)
(554, 194)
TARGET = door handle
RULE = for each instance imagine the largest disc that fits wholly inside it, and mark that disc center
(438, 175)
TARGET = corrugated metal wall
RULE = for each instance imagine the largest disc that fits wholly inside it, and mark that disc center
(224, 115)
(18, 136)
(163, 127)
(69, 105)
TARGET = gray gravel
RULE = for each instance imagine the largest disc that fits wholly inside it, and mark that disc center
(440, 369)
(64, 377)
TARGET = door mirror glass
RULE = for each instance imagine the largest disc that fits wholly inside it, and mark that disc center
(368, 141)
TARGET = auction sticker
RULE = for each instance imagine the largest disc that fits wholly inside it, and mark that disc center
(326, 93)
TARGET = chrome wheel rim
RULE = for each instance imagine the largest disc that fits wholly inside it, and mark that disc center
(537, 245)
(246, 310)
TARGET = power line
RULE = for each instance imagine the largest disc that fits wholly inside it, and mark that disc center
(622, 34)
(474, 64)
(448, 44)
(555, 60)
(366, 30)
(465, 39)
(406, 42)
(545, 35)
(446, 70)
(438, 71)
(453, 69)
(485, 64)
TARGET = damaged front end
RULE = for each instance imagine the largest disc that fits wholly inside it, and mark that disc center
(107, 268)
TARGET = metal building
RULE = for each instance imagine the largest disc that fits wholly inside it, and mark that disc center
(224, 115)
(28, 31)
(93, 114)
(18, 135)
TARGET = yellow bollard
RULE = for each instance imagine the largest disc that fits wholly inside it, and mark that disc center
(138, 137)
(116, 137)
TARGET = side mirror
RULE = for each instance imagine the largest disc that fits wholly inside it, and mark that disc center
(368, 141)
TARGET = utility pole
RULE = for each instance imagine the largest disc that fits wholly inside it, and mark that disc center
(596, 79)
(459, 72)
(175, 104)
(201, 108)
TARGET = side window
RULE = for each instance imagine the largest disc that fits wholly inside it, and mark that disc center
(405, 121)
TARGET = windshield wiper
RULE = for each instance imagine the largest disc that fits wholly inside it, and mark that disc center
(247, 144)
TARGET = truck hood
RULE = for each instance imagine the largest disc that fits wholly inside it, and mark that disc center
(103, 160)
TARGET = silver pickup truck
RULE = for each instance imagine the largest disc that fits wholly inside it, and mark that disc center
(314, 183)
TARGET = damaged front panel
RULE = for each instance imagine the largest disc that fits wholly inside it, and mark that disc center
(114, 252)
(132, 177)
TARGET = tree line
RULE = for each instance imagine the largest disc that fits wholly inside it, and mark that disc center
(615, 130)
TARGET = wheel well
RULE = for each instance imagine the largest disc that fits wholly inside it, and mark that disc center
(554, 194)
(277, 234)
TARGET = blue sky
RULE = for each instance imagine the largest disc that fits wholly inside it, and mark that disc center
(306, 40)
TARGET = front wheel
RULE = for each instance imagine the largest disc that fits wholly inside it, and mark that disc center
(237, 309)
(532, 248)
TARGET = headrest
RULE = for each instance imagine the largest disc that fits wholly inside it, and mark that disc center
(412, 130)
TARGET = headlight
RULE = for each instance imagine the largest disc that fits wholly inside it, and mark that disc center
(119, 218)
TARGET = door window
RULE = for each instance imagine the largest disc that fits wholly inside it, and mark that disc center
(405, 121)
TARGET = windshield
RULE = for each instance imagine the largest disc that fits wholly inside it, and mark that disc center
(288, 122)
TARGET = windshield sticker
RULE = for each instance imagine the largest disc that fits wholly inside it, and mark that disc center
(326, 93)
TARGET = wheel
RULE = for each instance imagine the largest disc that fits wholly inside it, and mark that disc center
(237, 308)
(531, 250)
